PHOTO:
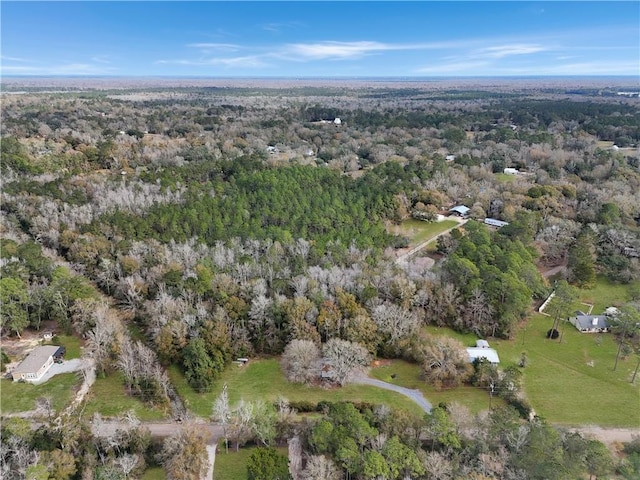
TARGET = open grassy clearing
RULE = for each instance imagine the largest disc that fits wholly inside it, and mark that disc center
(233, 465)
(408, 375)
(504, 177)
(263, 379)
(606, 294)
(154, 473)
(572, 382)
(569, 383)
(21, 397)
(109, 398)
(71, 343)
(418, 231)
(576, 306)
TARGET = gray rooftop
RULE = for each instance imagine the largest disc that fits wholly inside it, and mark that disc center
(591, 321)
(36, 359)
(461, 209)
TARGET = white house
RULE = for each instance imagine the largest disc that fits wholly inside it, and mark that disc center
(337, 121)
(511, 171)
(36, 364)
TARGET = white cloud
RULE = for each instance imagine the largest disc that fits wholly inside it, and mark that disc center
(228, 47)
(13, 59)
(16, 69)
(332, 50)
(502, 51)
(100, 59)
(249, 61)
(278, 27)
(63, 69)
(335, 50)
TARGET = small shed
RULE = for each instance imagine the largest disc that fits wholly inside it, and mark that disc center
(337, 121)
(482, 344)
(511, 171)
(36, 364)
(611, 312)
(489, 354)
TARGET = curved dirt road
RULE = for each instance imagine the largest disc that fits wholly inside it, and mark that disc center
(415, 395)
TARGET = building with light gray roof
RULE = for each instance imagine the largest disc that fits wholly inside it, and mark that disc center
(36, 364)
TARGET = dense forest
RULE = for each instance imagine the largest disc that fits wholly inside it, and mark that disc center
(233, 222)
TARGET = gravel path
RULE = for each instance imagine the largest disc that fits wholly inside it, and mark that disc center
(211, 451)
(107, 428)
(609, 435)
(415, 395)
(405, 257)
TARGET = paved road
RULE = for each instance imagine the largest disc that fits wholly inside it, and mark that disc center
(415, 395)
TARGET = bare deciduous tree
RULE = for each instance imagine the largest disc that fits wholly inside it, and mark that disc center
(300, 361)
(343, 359)
(320, 467)
(184, 454)
(445, 362)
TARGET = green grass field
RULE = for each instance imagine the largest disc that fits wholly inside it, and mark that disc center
(606, 294)
(233, 465)
(108, 397)
(154, 473)
(572, 382)
(408, 375)
(263, 379)
(418, 231)
(21, 397)
(504, 177)
(71, 343)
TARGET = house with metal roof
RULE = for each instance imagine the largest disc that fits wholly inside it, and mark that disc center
(489, 354)
(494, 222)
(36, 364)
(590, 323)
(461, 210)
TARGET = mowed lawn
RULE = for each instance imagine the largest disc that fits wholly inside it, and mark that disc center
(233, 465)
(573, 382)
(108, 397)
(21, 397)
(606, 294)
(419, 231)
(71, 343)
(263, 379)
(154, 473)
(408, 375)
(570, 383)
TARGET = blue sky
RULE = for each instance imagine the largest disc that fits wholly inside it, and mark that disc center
(320, 39)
